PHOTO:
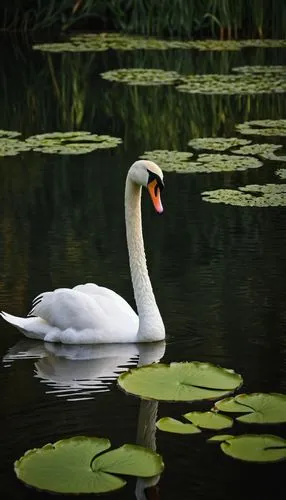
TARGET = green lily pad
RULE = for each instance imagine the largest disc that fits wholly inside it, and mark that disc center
(12, 147)
(177, 161)
(265, 43)
(265, 151)
(219, 438)
(281, 172)
(232, 84)
(71, 142)
(253, 195)
(255, 448)
(185, 381)
(260, 69)
(9, 133)
(216, 143)
(209, 419)
(141, 76)
(71, 466)
(168, 424)
(267, 128)
(260, 408)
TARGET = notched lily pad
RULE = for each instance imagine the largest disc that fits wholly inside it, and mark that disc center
(71, 142)
(232, 84)
(267, 128)
(255, 448)
(141, 76)
(168, 424)
(252, 195)
(260, 408)
(216, 143)
(187, 381)
(71, 465)
(209, 419)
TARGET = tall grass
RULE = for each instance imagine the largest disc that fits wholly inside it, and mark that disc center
(181, 18)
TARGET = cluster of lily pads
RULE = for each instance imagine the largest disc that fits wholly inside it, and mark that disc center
(55, 143)
(86, 467)
(245, 83)
(97, 42)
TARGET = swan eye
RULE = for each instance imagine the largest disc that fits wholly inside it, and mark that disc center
(159, 184)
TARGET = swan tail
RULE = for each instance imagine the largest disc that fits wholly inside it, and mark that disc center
(32, 327)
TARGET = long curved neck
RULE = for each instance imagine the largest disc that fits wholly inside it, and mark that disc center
(151, 327)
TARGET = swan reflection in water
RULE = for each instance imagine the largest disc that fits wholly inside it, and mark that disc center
(79, 371)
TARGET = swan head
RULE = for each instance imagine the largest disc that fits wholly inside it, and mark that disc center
(148, 174)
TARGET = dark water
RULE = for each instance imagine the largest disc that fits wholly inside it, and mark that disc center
(218, 271)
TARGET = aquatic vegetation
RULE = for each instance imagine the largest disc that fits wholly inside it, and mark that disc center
(171, 161)
(252, 195)
(72, 465)
(216, 143)
(253, 447)
(71, 142)
(9, 146)
(191, 381)
(265, 151)
(205, 420)
(281, 172)
(232, 84)
(168, 424)
(260, 69)
(260, 408)
(141, 76)
(263, 127)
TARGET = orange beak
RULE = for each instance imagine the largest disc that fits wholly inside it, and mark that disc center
(154, 192)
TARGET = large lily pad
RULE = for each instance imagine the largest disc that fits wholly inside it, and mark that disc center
(168, 424)
(177, 161)
(265, 151)
(255, 448)
(141, 76)
(71, 142)
(71, 466)
(209, 419)
(185, 381)
(267, 128)
(252, 195)
(279, 69)
(232, 84)
(260, 408)
(216, 143)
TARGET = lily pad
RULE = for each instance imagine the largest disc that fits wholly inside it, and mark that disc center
(255, 448)
(184, 381)
(177, 161)
(141, 76)
(265, 70)
(219, 438)
(71, 466)
(232, 84)
(216, 143)
(260, 408)
(281, 172)
(266, 128)
(71, 142)
(265, 151)
(12, 147)
(9, 133)
(168, 424)
(252, 195)
(209, 419)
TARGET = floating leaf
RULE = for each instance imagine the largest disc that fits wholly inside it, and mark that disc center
(261, 408)
(9, 133)
(141, 76)
(170, 161)
(265, 70)
(71, 142)
(216, 143)
(12, 147)
(255, 448)
(179, 381)
(232, 84)
(168, 424)
(266, 128)
(209, 419)
(70, 466)
(265, 151)
(220, 438)
(251, 195)
(281, 173)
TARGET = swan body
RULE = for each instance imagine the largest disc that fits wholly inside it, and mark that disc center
(91, 314)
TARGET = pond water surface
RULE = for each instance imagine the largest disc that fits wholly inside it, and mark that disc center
(218, 271)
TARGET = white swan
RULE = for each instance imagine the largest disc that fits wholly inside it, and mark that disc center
(90, 314)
